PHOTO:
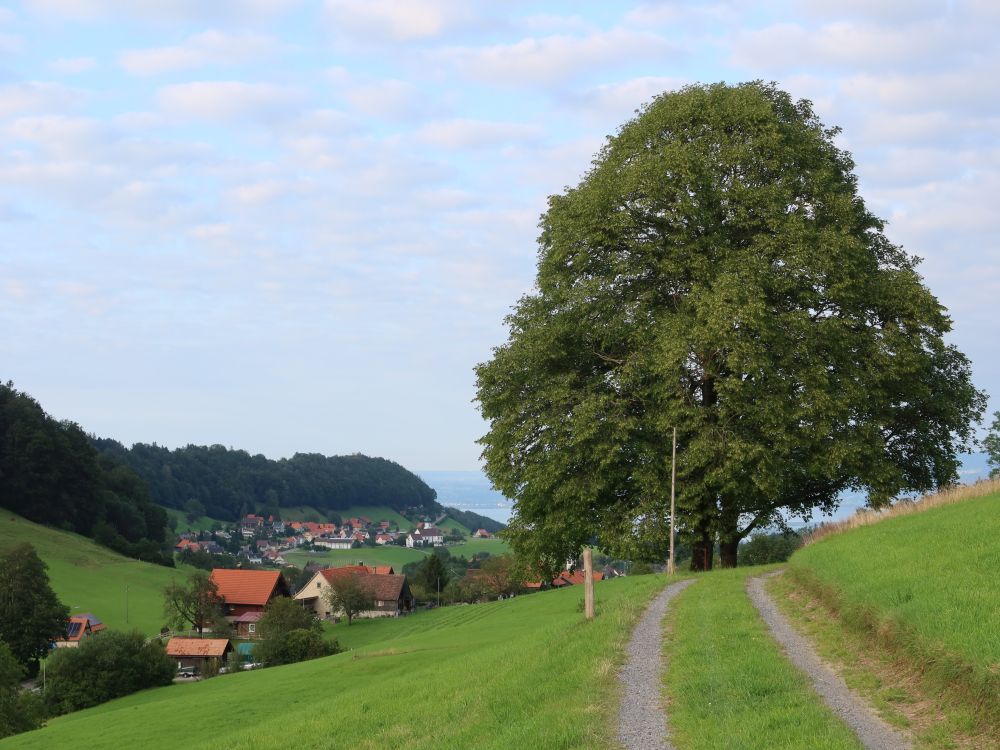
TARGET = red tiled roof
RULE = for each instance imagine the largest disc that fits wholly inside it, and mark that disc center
(250, 616)
(197, 647)
(248, 586)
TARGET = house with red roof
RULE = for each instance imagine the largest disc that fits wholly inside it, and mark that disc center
(390, 593)
(247, 590)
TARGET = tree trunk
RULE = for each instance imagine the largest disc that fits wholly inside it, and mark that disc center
(727, 553)
(702, 551)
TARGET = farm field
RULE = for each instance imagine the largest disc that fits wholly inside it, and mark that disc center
(91, 578)
(472, 546)
(728, 683)
(526, 672)
(924, 584)
(387, 555)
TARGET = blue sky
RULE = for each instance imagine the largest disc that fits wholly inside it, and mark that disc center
(296, 226)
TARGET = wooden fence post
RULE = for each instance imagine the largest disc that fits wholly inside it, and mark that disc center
(588, 583)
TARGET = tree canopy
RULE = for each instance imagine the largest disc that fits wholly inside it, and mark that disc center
(717, 271)
(227, 484)
(196, 603)
(51, 474)
(31, 615)
(349, 596)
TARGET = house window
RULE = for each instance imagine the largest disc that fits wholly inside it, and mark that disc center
(380, 602)
(252, 628)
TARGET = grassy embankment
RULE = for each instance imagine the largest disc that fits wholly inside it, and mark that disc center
(91, 578)
(727, 682)
(527, 672)
(918, 592)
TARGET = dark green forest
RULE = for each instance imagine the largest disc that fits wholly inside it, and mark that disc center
(230, 483)
(473, 521)
(51, 474)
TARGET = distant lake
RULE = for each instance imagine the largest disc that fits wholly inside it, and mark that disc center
(471, 490)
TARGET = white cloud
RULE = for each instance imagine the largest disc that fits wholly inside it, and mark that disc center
(207, 48)
(37, 96)
(72, 65)
(620, 100)
(227, 101)
(398, 21)
(553, 59)
(464, 134)
(162, 10)
(388, 98)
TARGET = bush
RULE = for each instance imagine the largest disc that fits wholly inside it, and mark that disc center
(20, 710)
(769, 548)
(290, 634)
(107, 665)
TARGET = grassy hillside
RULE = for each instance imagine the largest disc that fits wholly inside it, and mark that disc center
(449, 524)
(91, 578)
(527, 672)
(472, 546)
(925, 584)
(728, 683)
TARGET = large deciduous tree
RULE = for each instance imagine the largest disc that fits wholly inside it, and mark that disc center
(196, 603)
(717, 271)
(31, 615)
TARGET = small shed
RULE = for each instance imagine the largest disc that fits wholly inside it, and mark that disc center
(196, 652)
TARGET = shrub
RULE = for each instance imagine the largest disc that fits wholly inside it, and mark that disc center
(20, 710)
(107, 665)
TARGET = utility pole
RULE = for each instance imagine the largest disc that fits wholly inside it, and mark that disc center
(673, 483)
(588, 583)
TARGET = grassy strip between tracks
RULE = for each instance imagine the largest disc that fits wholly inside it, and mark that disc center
(728, 683)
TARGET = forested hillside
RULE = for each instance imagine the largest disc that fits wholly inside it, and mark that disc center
(51, 474)
(230, 483)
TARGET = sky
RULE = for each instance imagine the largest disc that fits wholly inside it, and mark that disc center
(291, 226)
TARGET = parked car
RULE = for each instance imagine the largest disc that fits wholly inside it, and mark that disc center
(187, 672)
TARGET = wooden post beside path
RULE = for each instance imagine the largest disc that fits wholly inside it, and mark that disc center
(588, 583)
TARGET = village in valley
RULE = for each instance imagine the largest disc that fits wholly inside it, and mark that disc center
(250, 571)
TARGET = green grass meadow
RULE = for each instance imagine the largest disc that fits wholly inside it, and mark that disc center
(727, 683)
(926, 584)
(387, 555)
(91, 578)
(528, 672)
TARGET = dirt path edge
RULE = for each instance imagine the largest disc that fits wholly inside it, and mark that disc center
(853, 710)
(642, 722)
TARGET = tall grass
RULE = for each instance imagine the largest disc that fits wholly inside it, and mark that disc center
(926, 585)
(866, 516)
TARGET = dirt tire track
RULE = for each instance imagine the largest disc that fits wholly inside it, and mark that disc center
(853, 710)
(642, 722)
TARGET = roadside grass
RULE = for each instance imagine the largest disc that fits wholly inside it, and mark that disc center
(727, 683)
(528, 672)
(926, 586)
(90, 578)
(894, 687)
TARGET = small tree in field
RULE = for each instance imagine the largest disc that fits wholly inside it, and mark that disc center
(992, 446)
(349, 595)
(290, 634)
(20, 710)
(31, 614)
(197, 603)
